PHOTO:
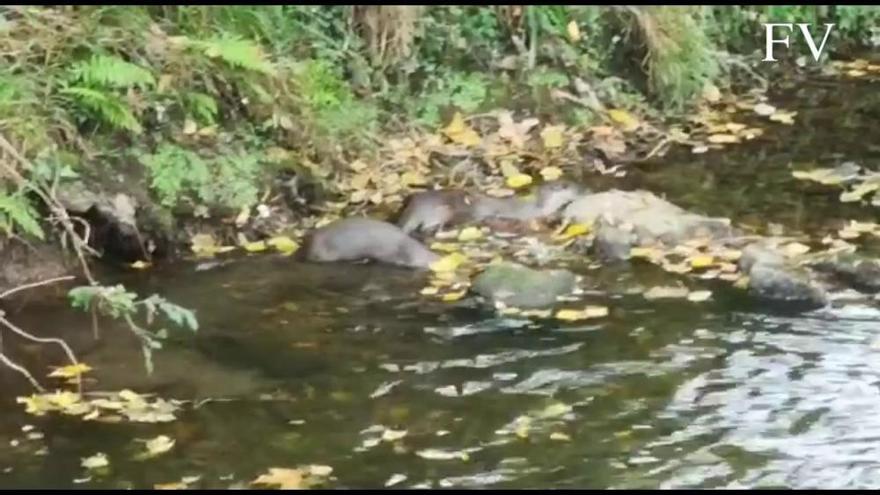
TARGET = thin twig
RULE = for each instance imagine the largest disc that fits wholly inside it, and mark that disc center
(35, 284)
(17, 367)
(43, 340)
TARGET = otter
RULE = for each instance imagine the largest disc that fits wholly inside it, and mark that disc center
(359, 239)
(430, 211)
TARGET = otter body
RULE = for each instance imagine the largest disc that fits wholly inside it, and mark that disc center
(432, 210)
(358, 239)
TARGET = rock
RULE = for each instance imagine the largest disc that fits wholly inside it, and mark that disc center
(522, 287)
(773, 278)
(778, 283)
(861, 273)
(613, 243)
(759, 254)
(24, 264)
(652, 218)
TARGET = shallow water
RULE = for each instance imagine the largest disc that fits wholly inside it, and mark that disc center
(304, 364)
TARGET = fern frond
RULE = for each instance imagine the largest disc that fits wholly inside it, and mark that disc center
(108, 107)
(202, 106)
(112, 72)
(237, 52)
(16, 211)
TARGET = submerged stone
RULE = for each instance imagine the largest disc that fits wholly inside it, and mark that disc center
(522, 287)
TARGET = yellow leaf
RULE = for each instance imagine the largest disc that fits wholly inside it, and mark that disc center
(96, 461)
(624, 118)
(518, 181)
(429, 291)
(376, 198)
(159, 445)
(734, 127)
(454, 296)
(469, 234)
(645, 252)
(71, 371)
(551, 173)
(702, 261)
(859, 191)
(573, 230)
(584, 314)
(140, 265)
(560, 437)
(204, 244)
(358, 165)
(446, 247)
(574, 33)
(666, 293)
(730, 254)
(552, 136)
(413, 179)
(284, 244)
(174, 485)
(764, 109)
(741, 282)
(448, 263)
(783, 117)
(254, 247)
(459, 132)
(699, 295)
(286, 479)
(723, 139)
(795, 249)
(189, 127)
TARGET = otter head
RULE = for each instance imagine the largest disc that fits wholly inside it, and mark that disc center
(553, 196)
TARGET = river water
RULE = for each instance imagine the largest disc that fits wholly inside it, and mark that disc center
(300, 364)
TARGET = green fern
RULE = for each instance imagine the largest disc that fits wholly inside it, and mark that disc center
(202, 106)
(111, 72)
(237, 52)
(107, 106)
(17, 212)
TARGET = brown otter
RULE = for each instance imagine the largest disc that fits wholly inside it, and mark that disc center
(358, 239)
(431, 210)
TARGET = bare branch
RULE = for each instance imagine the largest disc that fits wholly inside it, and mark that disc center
(17, 367)
(35, 284)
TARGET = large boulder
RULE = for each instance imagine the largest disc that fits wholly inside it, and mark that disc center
(861, 273)
(650, 218)
(522, 287)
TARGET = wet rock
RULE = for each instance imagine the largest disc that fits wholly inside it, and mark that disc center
(786, 285)
(773, 278)
(862, 274)
(522, 287)
(613, 243)
(24, 264)
(651, 218)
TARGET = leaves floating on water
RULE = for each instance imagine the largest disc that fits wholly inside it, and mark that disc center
(96, 461)
(158, 446)
(393, 435)
(560, 437)
(666, 293)
(442, 455)
(584, 314)
(448, 263)
(395, 479)
(134, 407)
(470, 234)
(70, 371)
(699, 295)
(764, 110)
(286, 479)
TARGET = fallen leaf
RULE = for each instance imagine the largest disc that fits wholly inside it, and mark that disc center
(518, 181)
(723, 139)
(96, 461)
(286, 479)
(454, 296)
(159, 445)
(783, 117)
(624, 118)
(189, 127)
(459, 132)
(764, 110)
(702, 261)
(284, 244)
(551, 173)
(174, 485)
(140, 265)
(711, 93)
(552, 136)
(666, 293)
(442, 455)
(395, 479)
(584, 314)
(469, 234)
(560, 437)
(859, 191)
(448, 263)
(70, 371)
(555, 410)
(393, 435)
(795, 249)
(573, 230)
(429, 291)
(699, 295)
